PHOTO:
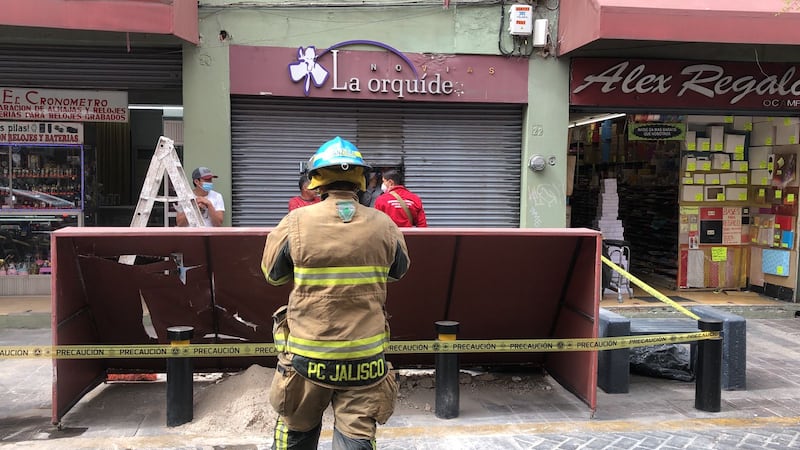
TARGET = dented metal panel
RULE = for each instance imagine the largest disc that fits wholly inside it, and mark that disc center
(498, 283)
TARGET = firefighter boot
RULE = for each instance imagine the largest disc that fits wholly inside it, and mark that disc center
(342, 442)
(286, 439)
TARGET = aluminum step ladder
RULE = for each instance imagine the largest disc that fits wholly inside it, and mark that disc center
(165, 161)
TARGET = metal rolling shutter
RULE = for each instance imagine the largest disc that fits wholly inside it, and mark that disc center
(463, 160)
(150, 75)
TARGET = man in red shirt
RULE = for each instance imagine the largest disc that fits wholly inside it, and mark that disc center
(306, 197)
(403, 206)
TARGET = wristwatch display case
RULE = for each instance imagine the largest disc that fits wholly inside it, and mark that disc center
(41, 190)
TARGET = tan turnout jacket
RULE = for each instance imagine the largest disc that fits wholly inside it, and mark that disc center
(340, 269)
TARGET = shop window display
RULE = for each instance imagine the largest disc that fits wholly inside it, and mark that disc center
(41, 190)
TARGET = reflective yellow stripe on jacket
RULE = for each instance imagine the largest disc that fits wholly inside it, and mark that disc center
(359, 348)
(332, 350)
(338, 276)
(279, 339)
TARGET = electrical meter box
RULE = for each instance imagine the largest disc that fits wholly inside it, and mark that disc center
(520, 20)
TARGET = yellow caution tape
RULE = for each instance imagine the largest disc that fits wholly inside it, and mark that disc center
(648, 289)
(395, 347)
(546, 345)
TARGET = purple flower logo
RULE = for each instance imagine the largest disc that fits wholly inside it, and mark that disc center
(307, 68)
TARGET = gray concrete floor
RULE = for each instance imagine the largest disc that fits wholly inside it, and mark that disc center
(657, 413)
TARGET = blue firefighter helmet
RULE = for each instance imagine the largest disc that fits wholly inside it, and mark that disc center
(336, 154)
(337, 160)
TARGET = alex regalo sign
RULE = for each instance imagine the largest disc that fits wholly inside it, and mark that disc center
(685, 84)
(63, 105)
(381, 74)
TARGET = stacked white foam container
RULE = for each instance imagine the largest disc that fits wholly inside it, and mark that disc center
(608, 211)
(610, 225)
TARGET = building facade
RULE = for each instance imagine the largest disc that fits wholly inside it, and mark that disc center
(441, 91)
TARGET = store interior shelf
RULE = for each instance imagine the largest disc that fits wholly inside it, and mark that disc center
(37, 212)
(651, 228)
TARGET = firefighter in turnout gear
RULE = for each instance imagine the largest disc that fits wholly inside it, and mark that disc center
(332, 334)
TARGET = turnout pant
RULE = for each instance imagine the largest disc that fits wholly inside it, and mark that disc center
(301, 404)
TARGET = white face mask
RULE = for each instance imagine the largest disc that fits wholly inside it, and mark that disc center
(384, 188)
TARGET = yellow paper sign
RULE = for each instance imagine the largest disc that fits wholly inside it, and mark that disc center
(721, 197)
(762, 165)
(726, 165)
(706, 166)
(728, 119)
(778, 194)
(698, 197)
(787, 121)
(761, 192)
(779, 270)
(784, 245)
(718, 147)
(719, 254)
(770, 166)
(768, 141)
(691, 146)
(748, 126)
(789, 198)
(706, 146)
(764, 181)
(743, 196)
(691, 167)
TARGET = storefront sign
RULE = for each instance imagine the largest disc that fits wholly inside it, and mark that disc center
(62, 104)
(685, 84)
(656, 131)
(41, 133)
(387, 74)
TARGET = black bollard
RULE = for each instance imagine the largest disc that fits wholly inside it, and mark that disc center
(180, 408)
(447, 393)
(708, 386)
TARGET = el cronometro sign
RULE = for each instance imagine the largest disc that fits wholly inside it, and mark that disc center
(63, 105)
(379, 73)
(684, 84)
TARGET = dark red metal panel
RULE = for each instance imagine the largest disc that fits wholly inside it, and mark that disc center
(176, 17)
(498, 283)
(723, 21)
(480, 78)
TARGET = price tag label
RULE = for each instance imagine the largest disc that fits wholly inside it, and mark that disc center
(719, 254)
